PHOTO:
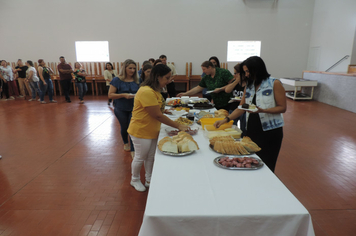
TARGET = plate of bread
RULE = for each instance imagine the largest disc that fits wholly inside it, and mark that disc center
(229, 146)
(181, 144)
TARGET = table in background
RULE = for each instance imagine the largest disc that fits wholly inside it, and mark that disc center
(299, 82)
(191, 196)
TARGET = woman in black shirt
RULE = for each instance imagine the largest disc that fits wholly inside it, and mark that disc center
(237, 87)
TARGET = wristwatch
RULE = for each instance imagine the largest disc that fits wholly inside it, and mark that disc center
(228, 119)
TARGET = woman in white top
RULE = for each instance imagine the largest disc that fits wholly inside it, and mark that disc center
(8, 74)
(109, 74)
(31, 77)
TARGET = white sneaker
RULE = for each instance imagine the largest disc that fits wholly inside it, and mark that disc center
(39, 100)
(3, 100)
(147, 184)
(11, 98)
(138, 186)
(43, 102)
(30, 100)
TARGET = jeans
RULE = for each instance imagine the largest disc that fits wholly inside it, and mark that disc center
(66, 84)
(124, 118)
(82, 90)
(44, 88)
(109, 100)
(144, 154)
(35, 88)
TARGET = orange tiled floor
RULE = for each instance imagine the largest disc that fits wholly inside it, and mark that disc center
(64, 171)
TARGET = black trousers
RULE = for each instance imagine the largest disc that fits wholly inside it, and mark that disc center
(5, 89)
(66, 85)
(269, 141)
(171, 89)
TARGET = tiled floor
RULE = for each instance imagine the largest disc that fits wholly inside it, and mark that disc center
(64, 171)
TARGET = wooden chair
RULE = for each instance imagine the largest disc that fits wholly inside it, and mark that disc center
(193, 78)
(351, 69)
(183, 78)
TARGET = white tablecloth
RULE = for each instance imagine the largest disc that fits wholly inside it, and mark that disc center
(191, 196)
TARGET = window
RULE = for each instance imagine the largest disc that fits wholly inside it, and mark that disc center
(88, 51)
(240, 50)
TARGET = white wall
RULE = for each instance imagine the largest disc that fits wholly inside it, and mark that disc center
(184, 30)
(333, 31)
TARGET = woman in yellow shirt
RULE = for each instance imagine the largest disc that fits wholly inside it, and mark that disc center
(145, 124)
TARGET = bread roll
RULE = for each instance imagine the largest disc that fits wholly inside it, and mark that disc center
(221, 113)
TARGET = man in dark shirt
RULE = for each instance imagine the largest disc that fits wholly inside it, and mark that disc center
(65, 77)
(21, 71)
(215, 80)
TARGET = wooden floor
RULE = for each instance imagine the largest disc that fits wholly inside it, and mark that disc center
(64, 172)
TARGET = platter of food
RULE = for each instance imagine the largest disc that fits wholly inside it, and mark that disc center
(173, 131)
(184, 121)
(247, 107)
(181, 144)
(227, 145)
(203, 106)
(198, 100)
(217, 114)
(238, 163)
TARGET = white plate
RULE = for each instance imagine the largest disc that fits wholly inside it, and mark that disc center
(207, 92)
(253, 110)
(235, 100)
(179, 113)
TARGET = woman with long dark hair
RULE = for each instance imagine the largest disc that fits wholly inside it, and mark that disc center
(237, 87)
(146, 70)
(145, 125)
(265, 126)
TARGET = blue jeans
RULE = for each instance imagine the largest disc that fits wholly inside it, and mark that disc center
(44, 88)
(82, 90)
(35, 88)
(124, 118)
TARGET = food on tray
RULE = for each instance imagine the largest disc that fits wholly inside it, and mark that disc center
(221, 138)
(174, 102)
(176, 131)
(234, 133)
(184, 121)
(203, 113)
(241, 162)
(221, 113)
(182, 108)
(182, 142)
(203, 105)
(229, 146)
(247, 106)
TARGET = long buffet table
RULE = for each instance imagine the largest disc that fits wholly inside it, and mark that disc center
(189, 195)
